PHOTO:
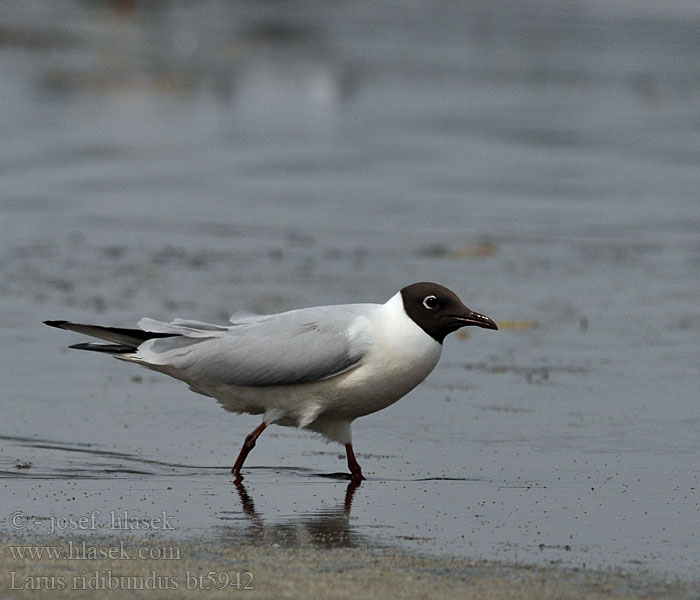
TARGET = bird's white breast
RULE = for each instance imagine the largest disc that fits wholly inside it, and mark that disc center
(400, 357)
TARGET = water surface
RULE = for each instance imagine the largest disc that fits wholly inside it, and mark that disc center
(540, 160)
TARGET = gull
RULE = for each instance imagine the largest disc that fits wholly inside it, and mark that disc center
(316, 368)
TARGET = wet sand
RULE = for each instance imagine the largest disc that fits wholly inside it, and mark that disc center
(211, 570)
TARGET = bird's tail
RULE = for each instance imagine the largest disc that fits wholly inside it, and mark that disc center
(124, 341)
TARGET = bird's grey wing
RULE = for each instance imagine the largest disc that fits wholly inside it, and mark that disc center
(299, 346)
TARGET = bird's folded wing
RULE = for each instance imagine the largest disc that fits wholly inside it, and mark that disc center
(299, 346)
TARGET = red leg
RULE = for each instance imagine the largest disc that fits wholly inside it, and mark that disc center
(352, 464)
(248, 445)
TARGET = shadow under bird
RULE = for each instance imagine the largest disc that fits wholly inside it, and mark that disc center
(316, 368)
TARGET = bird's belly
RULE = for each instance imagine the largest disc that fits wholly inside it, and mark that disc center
(361, 391)
(368, 389)
(387, 373)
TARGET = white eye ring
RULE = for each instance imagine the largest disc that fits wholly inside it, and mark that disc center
(430, 302)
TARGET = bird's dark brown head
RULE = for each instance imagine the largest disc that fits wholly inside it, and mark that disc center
(438, 311)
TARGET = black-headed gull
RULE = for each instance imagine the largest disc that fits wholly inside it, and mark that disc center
(316, 368)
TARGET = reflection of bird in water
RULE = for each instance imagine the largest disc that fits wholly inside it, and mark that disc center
(330, 527)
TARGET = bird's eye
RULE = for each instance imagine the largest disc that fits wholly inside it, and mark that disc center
(430, 302)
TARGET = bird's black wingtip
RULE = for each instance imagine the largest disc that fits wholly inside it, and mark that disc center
(106, 348)
(59, 324)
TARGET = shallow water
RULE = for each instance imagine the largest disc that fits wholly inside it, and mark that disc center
(541, 161)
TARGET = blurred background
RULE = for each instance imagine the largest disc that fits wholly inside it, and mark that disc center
(307, 141)
(541, 158)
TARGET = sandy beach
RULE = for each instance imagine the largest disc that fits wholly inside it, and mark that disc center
(98, 568)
